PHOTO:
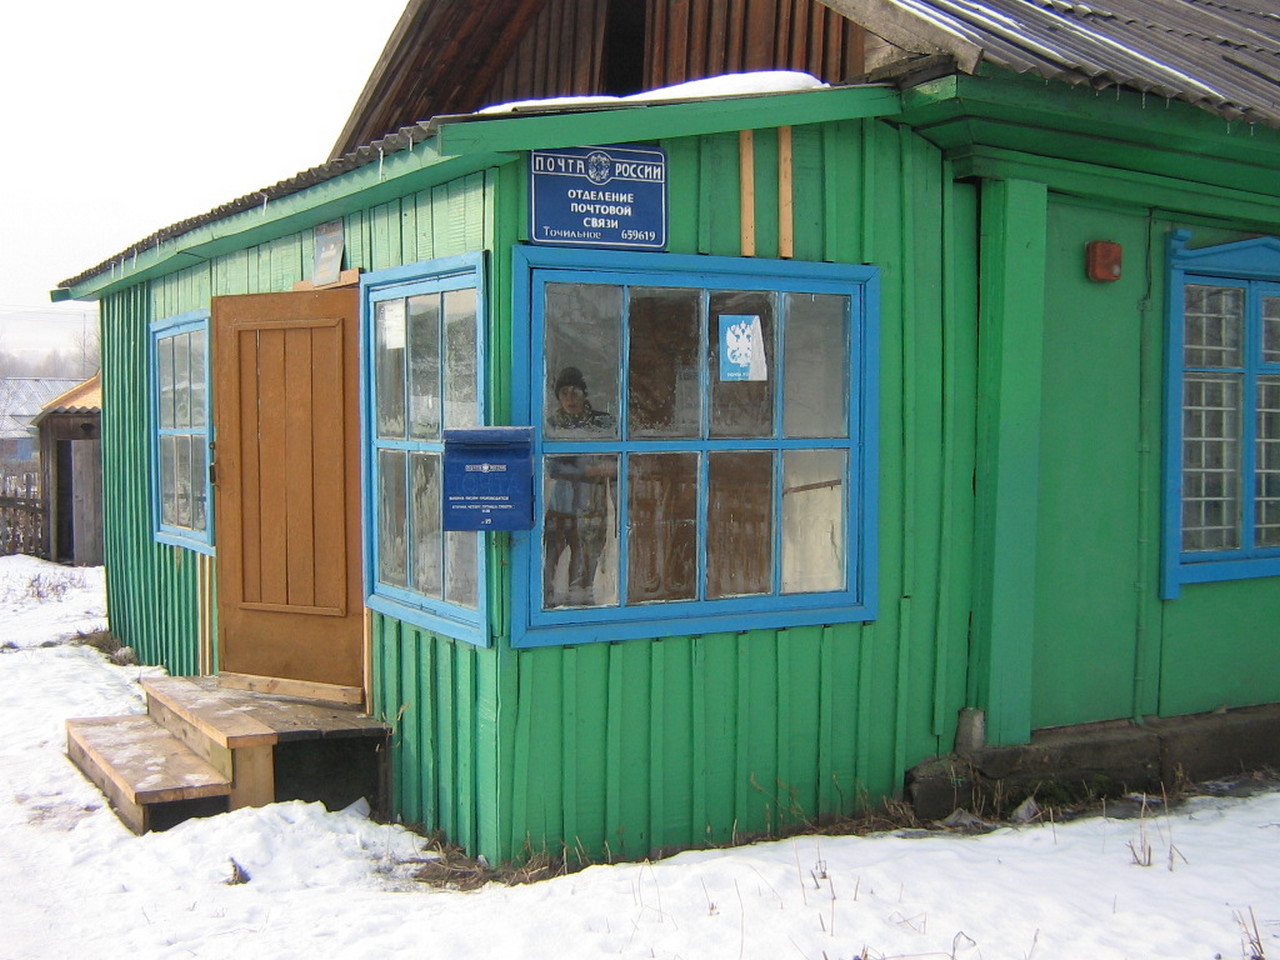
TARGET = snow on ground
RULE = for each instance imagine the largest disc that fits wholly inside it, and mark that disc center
(75, 883)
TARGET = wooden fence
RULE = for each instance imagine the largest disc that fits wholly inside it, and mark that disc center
(22, 526)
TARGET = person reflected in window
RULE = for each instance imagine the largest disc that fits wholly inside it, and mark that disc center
(578, 497)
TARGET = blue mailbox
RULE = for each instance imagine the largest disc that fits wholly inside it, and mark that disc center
(488, 478)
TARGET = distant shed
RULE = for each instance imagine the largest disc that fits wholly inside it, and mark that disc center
(70, 438)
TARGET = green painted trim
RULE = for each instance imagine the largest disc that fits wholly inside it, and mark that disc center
(945, 109)
(646, 122)
(1125, 187)
(1014, 223)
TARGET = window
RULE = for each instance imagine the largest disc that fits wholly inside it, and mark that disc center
(704, 444)
(423, 334)
(1222, 488)
(180, 444)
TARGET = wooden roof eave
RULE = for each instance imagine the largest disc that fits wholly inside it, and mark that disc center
(456, 146)
(395, 175)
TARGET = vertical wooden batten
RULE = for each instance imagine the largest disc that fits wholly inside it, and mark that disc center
(786, 196)
(747, 190)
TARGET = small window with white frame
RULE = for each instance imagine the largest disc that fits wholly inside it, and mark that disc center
(1222, 476)
(424, 342)
(705, 444)
(180, 442)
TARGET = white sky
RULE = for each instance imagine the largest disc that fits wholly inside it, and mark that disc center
(120, 118)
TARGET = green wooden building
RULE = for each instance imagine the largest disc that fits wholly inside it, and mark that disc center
(952, 382)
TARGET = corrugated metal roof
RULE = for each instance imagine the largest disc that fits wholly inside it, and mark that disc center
(21, 399)
(83, 398)
(1217, 55)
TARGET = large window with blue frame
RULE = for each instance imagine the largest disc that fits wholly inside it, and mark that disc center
(1222, 475)
(180, 442)
(423, 329)
(705, 444)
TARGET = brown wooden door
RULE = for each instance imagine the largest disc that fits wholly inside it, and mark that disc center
(287, 493)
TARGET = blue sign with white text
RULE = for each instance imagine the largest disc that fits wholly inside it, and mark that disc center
(488, 478)
(599, 197)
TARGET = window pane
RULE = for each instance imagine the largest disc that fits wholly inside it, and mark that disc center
(164, 377)
(182, 380)
(813, 520)
(1267, 477)
(662, 527)
(198, 378)
(580, 531)
(664, 398)
(741, 353)
(199, 483)
(460, 383)
(1211, 462)
(168, 481)
(1271, 329)
(816, 385)
(462, 583)
(740, 523)
(392, 518)
(424, 366)
(182, 481)
(428, 571)
(1213, 326)
(582, 350)
(389, 349)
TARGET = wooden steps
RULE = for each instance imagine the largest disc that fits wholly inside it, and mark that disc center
(204, 748)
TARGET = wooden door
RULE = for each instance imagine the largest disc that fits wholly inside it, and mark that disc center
(287, 491)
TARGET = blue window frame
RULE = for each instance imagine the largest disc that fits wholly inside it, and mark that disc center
(422, 372)
(705, 444)
(179, 349)
(1222, 413)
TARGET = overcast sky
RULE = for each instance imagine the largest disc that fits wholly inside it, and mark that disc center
(119, 117)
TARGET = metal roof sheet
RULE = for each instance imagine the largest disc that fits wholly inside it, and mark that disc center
(21, 399)
(1216, 55)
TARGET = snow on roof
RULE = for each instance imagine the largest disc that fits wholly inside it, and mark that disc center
(21, 399)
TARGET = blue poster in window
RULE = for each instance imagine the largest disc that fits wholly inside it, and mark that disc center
(742, 348)
(599, 197)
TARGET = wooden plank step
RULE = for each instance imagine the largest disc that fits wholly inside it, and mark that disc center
(140, 767)
(225, 722)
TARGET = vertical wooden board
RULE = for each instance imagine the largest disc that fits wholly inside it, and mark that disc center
(409, 229)
(385, 232)
(476, 199)
(445, 707)
(269, 435)
(678, 41)
(410, 785)
(299, 466)
(766, 192)
(679, 780)
(388, 665)
(809, 199)
(464, 726)
(329, 483)
(424, 224)
(800, 730)
(719, 218)
(630, 683)
(758, 730)
(589, 786)
(717, 54)
(355, 245)
(546, 771)
(493, 758)
(699, 24)
(286, 263)
(683, 188)
(231, 273)
(843, 199)
(760, 35)
(250, 469)
(716, 676)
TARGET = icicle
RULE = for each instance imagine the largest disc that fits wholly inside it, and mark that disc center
(265, 198)
(379, 163)
(1144, 99)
